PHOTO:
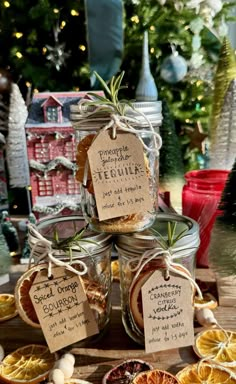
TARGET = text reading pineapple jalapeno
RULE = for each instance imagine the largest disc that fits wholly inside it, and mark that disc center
(114, 155)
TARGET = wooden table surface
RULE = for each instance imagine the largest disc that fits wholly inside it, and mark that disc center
(115, 346)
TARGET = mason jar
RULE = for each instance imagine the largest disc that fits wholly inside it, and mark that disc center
(144, 113)
(95, 251)
(131, 247)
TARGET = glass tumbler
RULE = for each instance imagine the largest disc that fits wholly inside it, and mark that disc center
(200, 198)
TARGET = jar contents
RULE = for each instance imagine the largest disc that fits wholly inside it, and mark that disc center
(127, 223)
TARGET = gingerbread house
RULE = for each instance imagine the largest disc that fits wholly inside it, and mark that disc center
(51, 147)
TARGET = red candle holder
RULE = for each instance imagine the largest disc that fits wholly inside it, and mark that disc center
(200, 198)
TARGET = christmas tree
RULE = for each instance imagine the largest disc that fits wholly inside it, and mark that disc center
(222, 253)
(223, 243)
(171, 168)
(5, 260)
(44, 45)
(10, 233)
(228, 199)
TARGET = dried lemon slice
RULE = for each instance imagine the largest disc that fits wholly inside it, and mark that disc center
(155, 376)
(203, 373)
(218, 345)
(208, 301)
(7, 306)
(29, 364)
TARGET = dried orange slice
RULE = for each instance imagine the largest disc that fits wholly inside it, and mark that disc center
(115, 270)
(136, 305)
(125, 371)
(208, 301)
(81, 157)
(155, 376)
(135, 295)
(29, 364)
(7, 307)
(218, 345)
(203, 373)
(23, 301)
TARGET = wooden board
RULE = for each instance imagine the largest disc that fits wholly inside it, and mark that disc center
(93, 361)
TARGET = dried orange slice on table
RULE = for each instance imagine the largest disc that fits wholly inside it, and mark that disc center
(29, 364)
(155, 376)
(23, 301)
(7, 307)
(125, 372)
(204, 373)
(217, 345)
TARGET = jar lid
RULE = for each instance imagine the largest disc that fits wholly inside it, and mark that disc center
(151, 109)
(142, 241)
(67, 226)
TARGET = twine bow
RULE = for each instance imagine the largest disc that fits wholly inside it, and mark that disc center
(118, 121)
(169, 266)
(42, 249)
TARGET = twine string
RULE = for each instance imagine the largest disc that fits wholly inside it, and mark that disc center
(169, 266)
(47, 253)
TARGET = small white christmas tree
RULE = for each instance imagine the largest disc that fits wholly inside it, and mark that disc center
(223, 147)
(17, 160)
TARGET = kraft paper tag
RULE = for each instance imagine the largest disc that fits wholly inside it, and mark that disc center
(119, 175)
(62, 308)
(167, 312)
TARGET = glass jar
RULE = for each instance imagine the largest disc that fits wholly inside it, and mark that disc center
(200, 198)
(137, 221)
(95, 254)
(130, 249)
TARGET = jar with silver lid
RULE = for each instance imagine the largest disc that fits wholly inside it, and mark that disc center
(94, 250)
(146, 118)
(131, 249)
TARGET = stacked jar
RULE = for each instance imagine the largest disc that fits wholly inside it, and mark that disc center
(93, 250)
(131, 248)
(142, 120)
(143, 115)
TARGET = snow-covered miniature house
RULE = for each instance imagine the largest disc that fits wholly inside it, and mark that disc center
(51, 148)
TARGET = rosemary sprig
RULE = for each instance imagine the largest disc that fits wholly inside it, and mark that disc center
(74, 240)
(111, 99)
(171, 237)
